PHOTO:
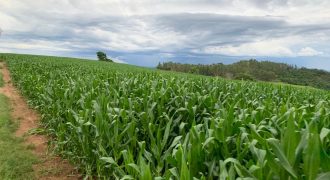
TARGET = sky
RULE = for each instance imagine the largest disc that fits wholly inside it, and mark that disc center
(146, 32)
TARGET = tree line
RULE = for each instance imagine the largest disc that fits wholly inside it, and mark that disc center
(254, 70)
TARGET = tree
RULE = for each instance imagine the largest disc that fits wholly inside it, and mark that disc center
(103, 57)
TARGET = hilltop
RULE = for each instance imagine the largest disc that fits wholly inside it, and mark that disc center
(254, 70)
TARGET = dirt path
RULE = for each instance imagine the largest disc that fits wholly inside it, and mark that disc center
(51, 167)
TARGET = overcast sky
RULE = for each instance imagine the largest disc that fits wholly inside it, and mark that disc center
(145, 32)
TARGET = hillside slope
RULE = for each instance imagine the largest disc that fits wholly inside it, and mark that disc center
(260, 71)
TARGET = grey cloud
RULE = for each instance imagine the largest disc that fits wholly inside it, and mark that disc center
(72, 26)
(201, 29)
(212, 29)
(269, 3)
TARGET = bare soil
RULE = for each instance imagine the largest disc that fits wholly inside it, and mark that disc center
(50, 167)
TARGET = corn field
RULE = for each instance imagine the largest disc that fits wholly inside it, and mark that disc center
(124, 122)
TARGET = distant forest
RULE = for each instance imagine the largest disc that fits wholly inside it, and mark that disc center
(254, 70)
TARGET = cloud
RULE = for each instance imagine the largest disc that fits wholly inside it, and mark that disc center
(167, 29)
(270, 47)
(308, 51)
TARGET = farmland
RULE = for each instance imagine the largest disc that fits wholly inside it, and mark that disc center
(122, 121)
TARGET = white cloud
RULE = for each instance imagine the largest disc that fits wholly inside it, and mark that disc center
(271, 47)
(35, 45)
(135, 35)
(308, 51)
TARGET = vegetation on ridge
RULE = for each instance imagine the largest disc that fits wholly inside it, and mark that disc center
(257, 71)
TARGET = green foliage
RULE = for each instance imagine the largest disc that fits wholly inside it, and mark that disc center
(103, 57)
(121, 121)
(254, 70)
(244, 76)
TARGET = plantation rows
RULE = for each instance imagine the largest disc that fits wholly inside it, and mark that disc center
(121, 121)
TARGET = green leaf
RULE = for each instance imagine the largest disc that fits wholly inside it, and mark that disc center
(323, 176)
(126, 177)
(167, 132)
(274, 143)
(324, 133)
(312, 152)
(223, 170)
(207, 141)
(174, 172)
(290, 139)
(109, 160)
(135, 167)
(145, 172)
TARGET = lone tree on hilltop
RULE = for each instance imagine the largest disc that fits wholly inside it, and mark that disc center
(103, 57)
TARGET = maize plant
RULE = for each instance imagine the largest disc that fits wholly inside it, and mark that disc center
(124, 122)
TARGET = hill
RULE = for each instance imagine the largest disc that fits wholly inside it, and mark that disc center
(118, 121)
(254, 70)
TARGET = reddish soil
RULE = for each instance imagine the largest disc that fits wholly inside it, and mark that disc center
(50, 166)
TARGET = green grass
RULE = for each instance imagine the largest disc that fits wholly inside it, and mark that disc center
(122, 121)
(1, 78)
(15, 160)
